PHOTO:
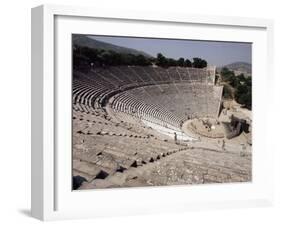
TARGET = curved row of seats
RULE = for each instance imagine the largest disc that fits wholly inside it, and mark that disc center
(97, 154)
(138, 107)
(183, 99)
(175, 108)
(159, 95)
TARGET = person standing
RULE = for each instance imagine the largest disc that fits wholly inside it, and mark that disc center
(175, 137)
(223, 145)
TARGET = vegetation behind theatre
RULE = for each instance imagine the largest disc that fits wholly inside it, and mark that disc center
(237, 87)
(84, 57)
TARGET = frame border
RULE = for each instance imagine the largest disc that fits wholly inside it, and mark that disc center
(43, 161)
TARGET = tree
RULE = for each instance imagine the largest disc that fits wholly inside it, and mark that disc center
(187, 63)
(241, 86)
(172, 62)
(81, 62)
(248, 81)
(199, 63)
(241, 77)
(243, 93)
(225, 71)
(227, 92)
(226, 74)
(142, 60)
(180, 62)
(161, 60)
(233, 81)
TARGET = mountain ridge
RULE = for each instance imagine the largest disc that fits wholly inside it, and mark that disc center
(88, 41)
(240, 66)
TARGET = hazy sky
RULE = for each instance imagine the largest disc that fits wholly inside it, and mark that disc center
(216, 53)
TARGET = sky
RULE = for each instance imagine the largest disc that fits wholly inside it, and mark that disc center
(216, 53)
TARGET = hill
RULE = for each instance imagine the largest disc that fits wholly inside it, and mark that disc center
(87, 41)
(240, 66)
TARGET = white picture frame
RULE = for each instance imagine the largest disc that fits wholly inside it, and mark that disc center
(52, 197)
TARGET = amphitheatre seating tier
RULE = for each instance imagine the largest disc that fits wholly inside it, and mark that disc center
(165, 96)
(114, 143)
(183, 100)
(142, 156)
(94, 144)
